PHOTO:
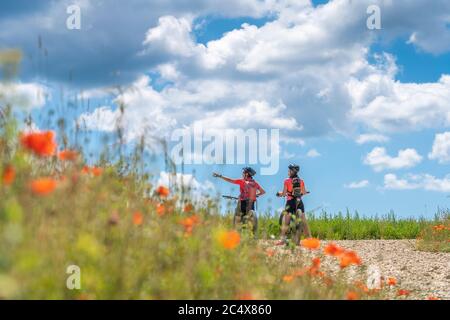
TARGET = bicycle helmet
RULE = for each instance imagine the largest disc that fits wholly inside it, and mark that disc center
(294, 168)
(249, 170)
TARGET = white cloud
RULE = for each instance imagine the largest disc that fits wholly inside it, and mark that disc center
(367, 137)
(379, 160)
(441, 148)
(306, 68)
(171, 35)
(23, 95)
(385, 104)
(313, 153)
(357, 184)
(197, 189)
(418, 181)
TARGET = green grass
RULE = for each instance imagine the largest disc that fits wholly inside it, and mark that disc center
(353, 226)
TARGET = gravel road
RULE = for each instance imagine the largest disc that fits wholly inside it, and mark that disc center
(424, 274)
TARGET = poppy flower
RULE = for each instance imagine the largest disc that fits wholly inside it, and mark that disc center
(310, 243)
(316, 263)
(188, 208)
(229, 239)
(352, 295)
(189, 223)
(349, 257)
(160, 209)
(432, 298)
(40, 143)
(333, 249)
(96, 171)
(392, 281)
(68, 155)
(439, 227)
(288, 278)
(245, 296)
(270, 252)
(43, 186)
(403, 292)
(162, 191)
(138, 218)
(9, 174)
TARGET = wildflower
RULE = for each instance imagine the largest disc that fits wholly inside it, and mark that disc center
(229, 239)
(43, 186)
(9, 174)
(162, 191)
(188, 208)
(439, 227)
(270, 252)
(333, 249)
(138, 218)
(288, 278)
(68, 155)
(403, 292)
(352, 295)
(96, 171)
(316, 263)
(432, 298)
(189, 223)
(41, 143)
(245, 296)
(392, 281)
(349, 257)
(160, 209)
(310, 243)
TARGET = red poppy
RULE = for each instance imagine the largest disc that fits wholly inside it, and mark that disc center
(41, 143)
(310, 243)
(68, 155)
(163, 191)
(9, 174)
(43, 186)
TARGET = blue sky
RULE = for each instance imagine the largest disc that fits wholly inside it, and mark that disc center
(366, 113)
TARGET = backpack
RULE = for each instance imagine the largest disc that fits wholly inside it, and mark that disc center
(296, 187)
(250, 190)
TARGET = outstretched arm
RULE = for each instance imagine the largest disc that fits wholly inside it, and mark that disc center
(217, 175)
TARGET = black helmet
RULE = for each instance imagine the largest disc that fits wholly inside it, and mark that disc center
(249, 170)
(295, 168)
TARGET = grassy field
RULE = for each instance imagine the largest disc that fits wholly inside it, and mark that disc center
(353, 227)
(128, 239)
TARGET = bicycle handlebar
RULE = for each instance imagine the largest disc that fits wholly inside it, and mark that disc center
(280, 196)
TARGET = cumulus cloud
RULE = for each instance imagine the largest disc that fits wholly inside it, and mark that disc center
(441, 148)
(23, 95)
(379, 160)
(417, 181)
(385, 104)
(357, 184)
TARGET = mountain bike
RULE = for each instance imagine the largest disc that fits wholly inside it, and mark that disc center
(297, 223)
(248, 219)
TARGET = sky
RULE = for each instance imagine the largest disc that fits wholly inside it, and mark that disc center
(364, 112)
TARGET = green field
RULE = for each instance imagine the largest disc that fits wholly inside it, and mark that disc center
(353, 226)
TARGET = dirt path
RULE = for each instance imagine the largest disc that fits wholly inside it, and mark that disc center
(423, 273)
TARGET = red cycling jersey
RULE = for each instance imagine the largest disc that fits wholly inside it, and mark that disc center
(289, 187)
(247, 188)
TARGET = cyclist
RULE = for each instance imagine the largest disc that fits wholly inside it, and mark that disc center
(293, 190)
(249, 190)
